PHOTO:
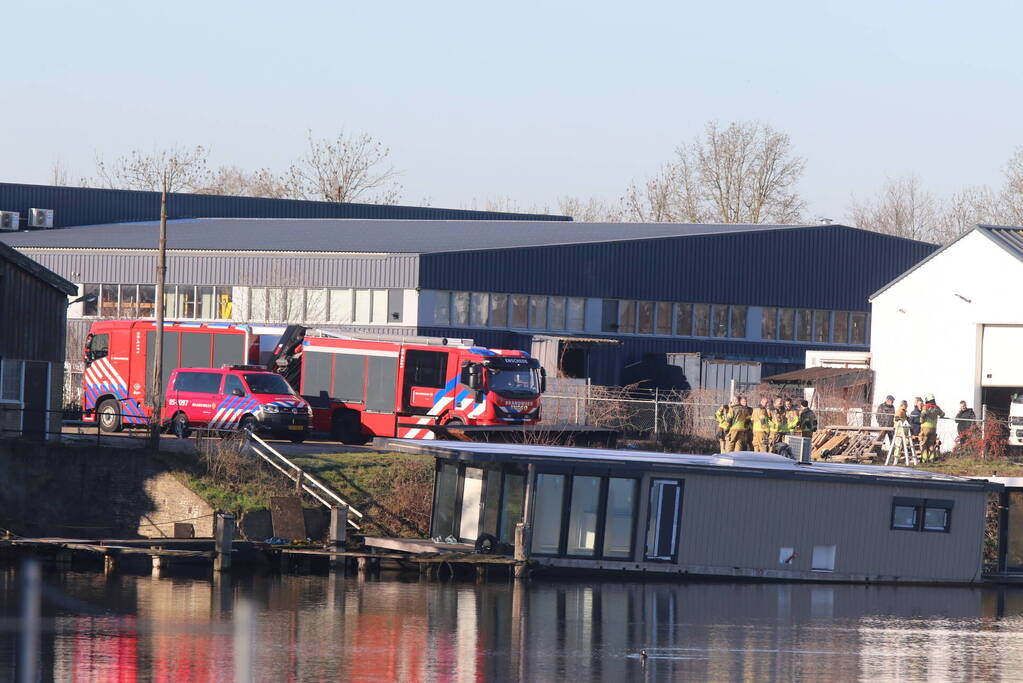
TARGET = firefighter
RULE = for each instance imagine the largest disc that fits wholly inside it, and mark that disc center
(806, 423)
(929, 428)
(779, 423)
(739, 426)
(762, 426)
(791, 417)
(721, 417)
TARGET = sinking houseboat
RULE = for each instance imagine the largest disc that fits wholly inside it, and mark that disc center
(743, 515)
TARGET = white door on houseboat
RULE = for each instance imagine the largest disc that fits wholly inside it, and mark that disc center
(662, 527)
(472, 490)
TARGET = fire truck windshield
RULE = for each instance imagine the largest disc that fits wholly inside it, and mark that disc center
(518, 382)
(267, 383)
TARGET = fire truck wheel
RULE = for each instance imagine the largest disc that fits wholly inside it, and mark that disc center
(110, 415)
(344, 427)
(247, 424)
(179, 426)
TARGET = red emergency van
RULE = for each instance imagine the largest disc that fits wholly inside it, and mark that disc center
(233, 398)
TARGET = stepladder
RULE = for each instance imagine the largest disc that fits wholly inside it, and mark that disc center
(903, 446)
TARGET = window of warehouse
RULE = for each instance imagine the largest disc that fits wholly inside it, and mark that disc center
(738, 322)
(316, 305)
(626, 317)
(821, 326)
(538, 312)
(129, 301)
(645, 317)
(609, 316)
(296, 305)
(341, 306)
(556, 313)
(479, 309)
(858, 326)
(10, 380)
(460, 308)
(108, 301)
(803, 325)
(276, 305)
(519, 309)
(684, 320)
(90, 307)
(257, 303)
(498, 310)
(147, 301)
(786, 324)
(442, 308)
(840, 334)
(363, 305)
(663, 325)
(769, 323)
(576, 314)
(701, 320)
(720, 321)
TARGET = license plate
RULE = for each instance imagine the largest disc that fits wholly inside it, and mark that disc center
(296, 427)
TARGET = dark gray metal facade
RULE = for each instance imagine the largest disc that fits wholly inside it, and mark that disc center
(827, 266)
(91, 206)
(33, 311)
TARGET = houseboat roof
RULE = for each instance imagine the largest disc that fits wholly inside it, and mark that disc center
(749, 464)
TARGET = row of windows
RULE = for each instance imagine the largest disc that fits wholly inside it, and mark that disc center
(799, 324)
(921, 514)
(597, 522)
(626, 316)
(257, 304)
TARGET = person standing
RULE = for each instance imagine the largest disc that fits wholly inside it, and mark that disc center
(791, 417)
(762, 426)
(721, 416)
(914, 416)
(779, 424)
(965, 420)
(929, 429)
(738, 426)
(886, 412)
(806, 423)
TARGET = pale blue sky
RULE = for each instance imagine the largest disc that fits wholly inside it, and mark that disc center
(527, 100)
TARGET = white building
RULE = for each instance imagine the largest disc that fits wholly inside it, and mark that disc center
(953, 326)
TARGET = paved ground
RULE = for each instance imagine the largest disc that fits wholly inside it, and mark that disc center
(137, 439)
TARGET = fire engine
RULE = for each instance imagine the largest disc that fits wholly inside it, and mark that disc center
(360, 388)
(119, 363)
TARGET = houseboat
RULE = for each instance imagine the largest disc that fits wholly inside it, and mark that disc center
(741, 515)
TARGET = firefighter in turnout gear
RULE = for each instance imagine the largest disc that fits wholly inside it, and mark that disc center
(791, 417)
(739, 418)
(806, 423)
(721, 416)
(929, 429)
(779, 424)
(762, 427)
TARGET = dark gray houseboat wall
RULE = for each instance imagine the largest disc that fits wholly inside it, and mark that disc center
(824, 266)
(91, 206)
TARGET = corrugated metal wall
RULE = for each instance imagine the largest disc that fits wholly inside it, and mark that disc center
(828, 266)
(32, 316)
(262, 270)
(91, 206)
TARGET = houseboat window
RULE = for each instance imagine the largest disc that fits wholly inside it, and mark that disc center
(582, 516)
(618, 524)
(937, 515)
(550, 496)
(472, 490)
(511, 506)
(904, 517)
(445, 500)
(492, 502)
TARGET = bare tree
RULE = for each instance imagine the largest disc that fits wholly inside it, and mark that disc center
(1010, 200)
(743, 173)
(902, 208)
(184, 168)
(59, 174)
(590, 210)
(962, 211)
(350, 168)
(232, 180)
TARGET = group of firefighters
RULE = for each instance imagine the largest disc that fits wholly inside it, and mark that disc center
(759, 429)
(921, 422)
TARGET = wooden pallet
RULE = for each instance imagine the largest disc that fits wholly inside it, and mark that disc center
(850, 444)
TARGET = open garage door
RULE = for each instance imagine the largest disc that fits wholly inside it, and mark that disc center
(1000, 361)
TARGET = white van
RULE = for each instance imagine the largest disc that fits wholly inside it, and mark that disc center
(1016, 421)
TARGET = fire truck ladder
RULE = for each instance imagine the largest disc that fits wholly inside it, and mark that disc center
(301, 478)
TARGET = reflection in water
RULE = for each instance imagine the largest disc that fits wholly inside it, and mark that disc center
(347, 628)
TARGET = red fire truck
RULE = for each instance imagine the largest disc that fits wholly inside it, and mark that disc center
(361, 388)
(119, 363)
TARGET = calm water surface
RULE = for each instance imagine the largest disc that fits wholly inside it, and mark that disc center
(326, 628)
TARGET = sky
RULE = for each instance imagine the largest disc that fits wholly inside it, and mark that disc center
(530, 101)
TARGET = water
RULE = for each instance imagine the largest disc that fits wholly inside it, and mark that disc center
(324, 628)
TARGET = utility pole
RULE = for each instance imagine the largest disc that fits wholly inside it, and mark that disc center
(156, 394)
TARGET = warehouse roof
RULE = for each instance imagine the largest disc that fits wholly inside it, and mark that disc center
(358, 235)
(1008, 237)
(761, 465)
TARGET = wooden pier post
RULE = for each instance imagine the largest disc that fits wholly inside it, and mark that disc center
(109, 563)
(338, 535)
(223, 538)
(522, 534)
(159, 563)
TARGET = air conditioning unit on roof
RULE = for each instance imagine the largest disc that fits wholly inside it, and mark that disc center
(40, 218)
(9, 220)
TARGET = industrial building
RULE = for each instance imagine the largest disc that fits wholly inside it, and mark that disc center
(33, 306)
(611, 302)
(951, 326)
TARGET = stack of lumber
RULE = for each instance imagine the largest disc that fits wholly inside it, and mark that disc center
(849, 444)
